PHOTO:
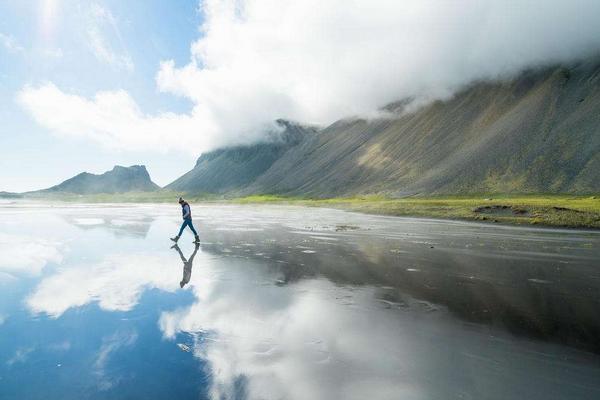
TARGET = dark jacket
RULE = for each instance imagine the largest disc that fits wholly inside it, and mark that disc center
(186, 209)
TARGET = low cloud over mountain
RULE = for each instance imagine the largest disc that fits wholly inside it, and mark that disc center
(315, 62)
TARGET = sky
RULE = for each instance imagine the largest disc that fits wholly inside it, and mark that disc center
(85, 47)
(85, 85)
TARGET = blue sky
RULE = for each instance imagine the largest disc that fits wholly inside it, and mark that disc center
(85, 47)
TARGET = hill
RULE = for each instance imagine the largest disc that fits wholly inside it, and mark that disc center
(118, 180)
(10, 195)
(536, 133)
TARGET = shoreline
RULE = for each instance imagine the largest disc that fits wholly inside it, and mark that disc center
(559, 211)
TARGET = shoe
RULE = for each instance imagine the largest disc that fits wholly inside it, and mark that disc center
(175, 239)
(197, 239)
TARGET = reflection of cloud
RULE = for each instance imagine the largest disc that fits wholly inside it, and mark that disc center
(110, 345)
(20, 355)
(6, 278)
(26, 254)
(88, 221)
(314, 339)
(116, 284)
(294, 342)
(60, 346)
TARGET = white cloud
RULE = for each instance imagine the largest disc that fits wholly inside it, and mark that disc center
(111, 118)
(10, 43)
(315, 62)
(50, 52)
(101, 26)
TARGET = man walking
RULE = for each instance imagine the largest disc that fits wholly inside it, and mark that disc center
(187, 221)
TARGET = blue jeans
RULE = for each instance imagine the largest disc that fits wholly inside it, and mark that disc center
(187, 222)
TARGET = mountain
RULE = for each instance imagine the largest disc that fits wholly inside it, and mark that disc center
(10, 195)
(232, 168)
(536, 133)
(118, 180)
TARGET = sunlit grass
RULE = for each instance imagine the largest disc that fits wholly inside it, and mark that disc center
(552, 210)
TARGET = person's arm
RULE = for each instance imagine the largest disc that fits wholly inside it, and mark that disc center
(186, 211)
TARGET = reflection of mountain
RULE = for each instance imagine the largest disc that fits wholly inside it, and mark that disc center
(514, 291)
(120, 225)
(321, 340)
(528, 282)
(536, 133)
(295, 313)
(118, 180)
(329, 340)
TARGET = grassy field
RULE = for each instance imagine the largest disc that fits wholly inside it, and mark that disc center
(550, 210)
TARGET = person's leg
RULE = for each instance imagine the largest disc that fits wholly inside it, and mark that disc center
(185, 223)
(192, 227)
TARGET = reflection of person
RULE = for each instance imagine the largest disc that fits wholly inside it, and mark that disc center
(187, 221)
(187, 264)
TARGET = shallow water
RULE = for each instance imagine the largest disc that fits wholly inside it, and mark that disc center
(292, 303)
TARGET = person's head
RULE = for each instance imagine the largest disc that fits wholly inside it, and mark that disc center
(181, 201)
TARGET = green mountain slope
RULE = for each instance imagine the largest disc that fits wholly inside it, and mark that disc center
(537, 133)
(9, 195)
(230, 169)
